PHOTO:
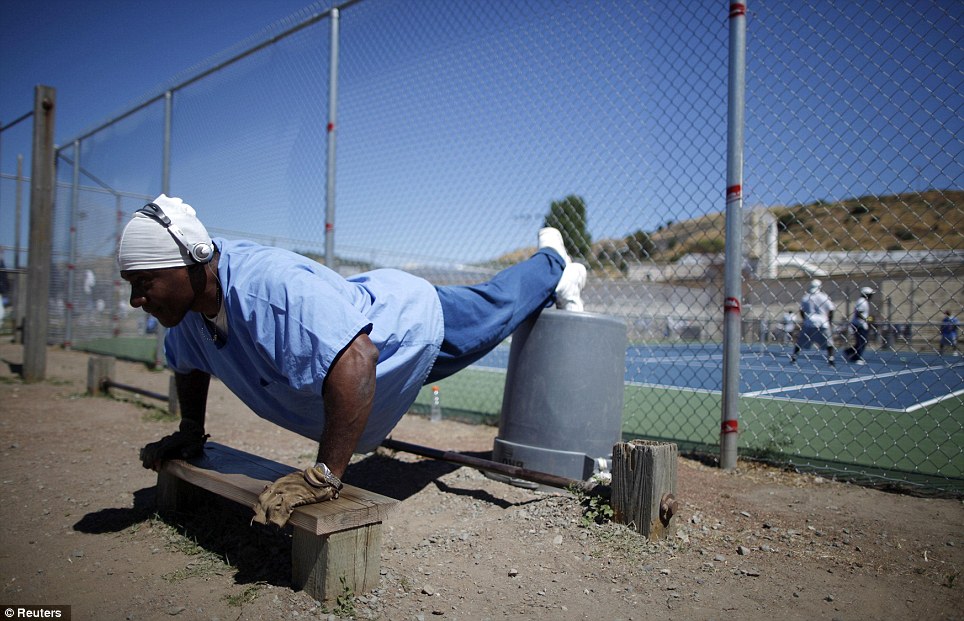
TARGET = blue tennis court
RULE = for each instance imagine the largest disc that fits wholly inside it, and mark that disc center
(889, 381)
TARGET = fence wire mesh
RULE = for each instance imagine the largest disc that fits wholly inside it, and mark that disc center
(464, 127)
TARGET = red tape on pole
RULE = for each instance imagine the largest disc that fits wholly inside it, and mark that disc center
(730, 426)
(737, 10)
(731, 305)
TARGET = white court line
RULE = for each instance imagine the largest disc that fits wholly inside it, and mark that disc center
(846, 380)
(675, 361)
(935, 400)
(701, 391)
(706, 391)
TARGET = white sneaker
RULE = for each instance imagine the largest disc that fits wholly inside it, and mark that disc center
(550, 237)
(569, 289)
(860, 362)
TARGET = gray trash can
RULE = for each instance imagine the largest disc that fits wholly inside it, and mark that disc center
(563, 401)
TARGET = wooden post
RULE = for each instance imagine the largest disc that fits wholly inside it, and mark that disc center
(41, 236)
(644, 487)
(175, 495)
(99, 368)
(172, 402)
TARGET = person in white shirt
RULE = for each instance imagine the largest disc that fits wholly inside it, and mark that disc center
(861, 325)
(816, 310)
(789, 323)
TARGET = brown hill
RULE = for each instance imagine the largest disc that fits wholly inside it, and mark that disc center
(930, 220)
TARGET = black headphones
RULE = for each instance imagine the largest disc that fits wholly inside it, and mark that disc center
(200, 252)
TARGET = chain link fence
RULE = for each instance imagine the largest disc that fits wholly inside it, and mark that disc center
(462, 127)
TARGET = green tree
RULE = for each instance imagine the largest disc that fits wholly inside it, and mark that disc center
(641, 245)
(569, 216)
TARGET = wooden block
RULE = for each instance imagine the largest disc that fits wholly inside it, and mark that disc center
(333, 540)
(644, 487)
(173, 494)
(325, 565)
(173, 404)
(99, 369)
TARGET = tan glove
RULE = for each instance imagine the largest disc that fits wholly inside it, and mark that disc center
(278, 500)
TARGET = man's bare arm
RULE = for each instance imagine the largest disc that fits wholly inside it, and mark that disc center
(188, 441)
(348, 393)
(192, 396)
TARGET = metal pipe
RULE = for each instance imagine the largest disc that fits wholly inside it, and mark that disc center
(166, 143)
(330, 259)
(72, 249)
(22, 117)
(732, 280)
(18, 217)
(117, 289)
(165, 189)
(544, 478)
(108, 383)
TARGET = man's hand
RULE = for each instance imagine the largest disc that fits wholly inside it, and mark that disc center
(179, 445)
(279, 499)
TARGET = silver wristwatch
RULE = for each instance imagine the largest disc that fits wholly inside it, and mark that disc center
(320, 474)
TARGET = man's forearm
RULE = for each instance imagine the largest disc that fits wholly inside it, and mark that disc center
(348, 393)
(192, 396)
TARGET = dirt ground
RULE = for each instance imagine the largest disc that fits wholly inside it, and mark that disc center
(80, 528)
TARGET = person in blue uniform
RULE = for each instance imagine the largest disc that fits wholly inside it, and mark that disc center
(334, 359)
(949, 326)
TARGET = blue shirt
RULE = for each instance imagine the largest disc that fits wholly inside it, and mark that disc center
(289, 317)
(949, 326)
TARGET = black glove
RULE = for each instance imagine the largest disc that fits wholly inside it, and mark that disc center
(185, 443)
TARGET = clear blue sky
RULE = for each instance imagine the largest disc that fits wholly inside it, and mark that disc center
(462, 121)
(101, 55)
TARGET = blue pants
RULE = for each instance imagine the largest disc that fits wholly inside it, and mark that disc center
(479, 317)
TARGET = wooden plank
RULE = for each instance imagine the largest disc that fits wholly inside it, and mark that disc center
(644, 487)
(242, 477)
(99, 368)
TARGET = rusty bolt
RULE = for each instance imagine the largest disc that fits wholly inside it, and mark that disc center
(668, 506)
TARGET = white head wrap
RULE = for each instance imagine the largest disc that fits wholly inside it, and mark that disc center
(815, 285)
(146, 244)
(867, 291)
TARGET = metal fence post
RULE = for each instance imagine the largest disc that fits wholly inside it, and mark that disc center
(732, 282)
(117, 297)
(18, 217)
(41, 221)
(72, 250)
(330, 259)
(165, 189)
(19, 290)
